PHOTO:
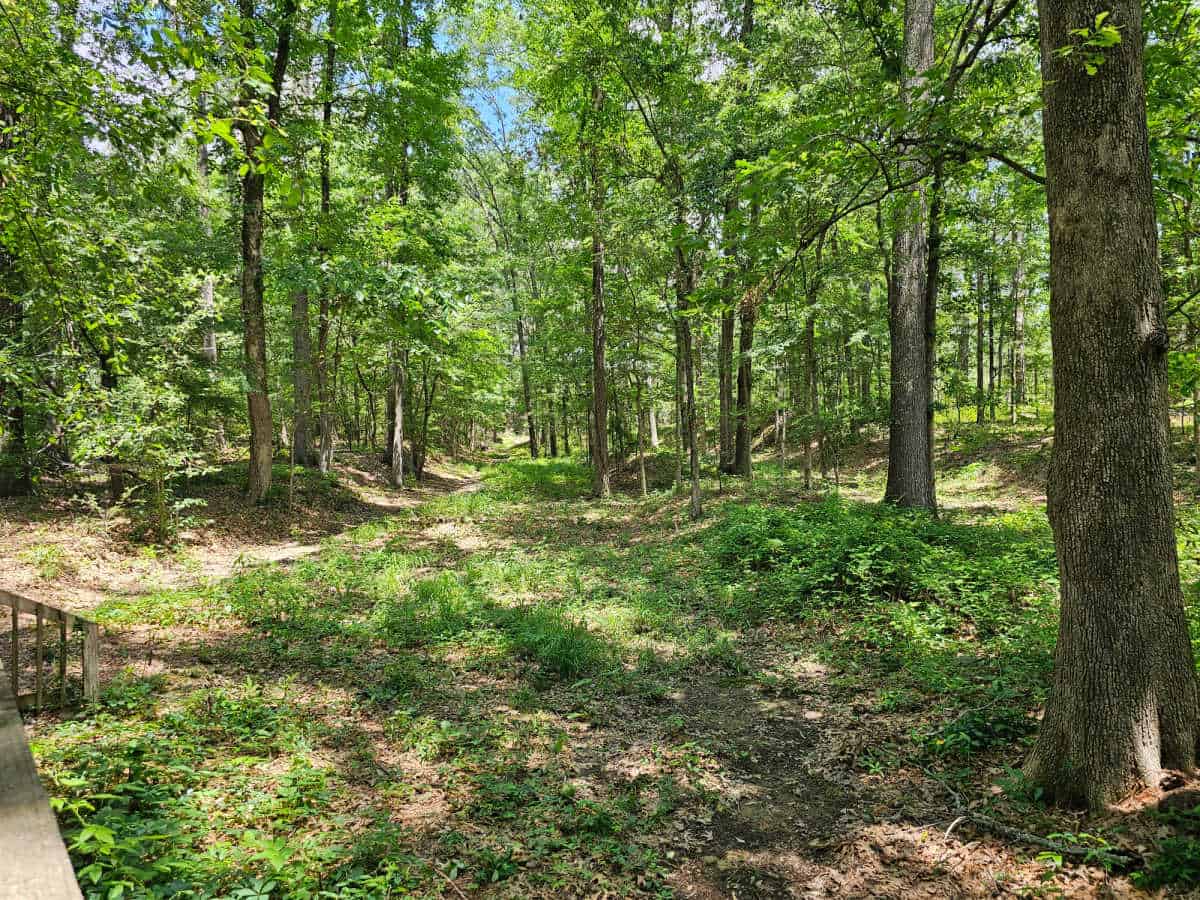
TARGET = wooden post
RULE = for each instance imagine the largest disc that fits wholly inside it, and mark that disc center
(37, 679)
(16, 637)
(91, 660)
(62, 661)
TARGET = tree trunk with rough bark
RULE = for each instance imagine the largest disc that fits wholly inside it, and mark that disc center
(601, 483)
(324, 377)
(1123, 704)
(811, 407)
(302, 382)
(748, 316)
(979, 396)
(725, 388)
(910, 470)
(1018, 338)
(399, 372)
(254, 322)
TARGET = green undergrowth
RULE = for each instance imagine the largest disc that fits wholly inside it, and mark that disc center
(464, 658)
(209, 784)
(959, 617)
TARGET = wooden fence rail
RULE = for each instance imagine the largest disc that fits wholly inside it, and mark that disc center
(68, 624)
(34, 864)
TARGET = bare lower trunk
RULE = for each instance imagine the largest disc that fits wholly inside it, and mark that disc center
(302, 371)
(1018, 338)
(810, 397)
(396, 469)
(601, 484)
(725, 391)
(255, 338)
(1123, 704)
(979, 397)
(523, 353)
(253, 316)
(910, 470)
(652, 415)
(208, 306)
(743, 439)
(324, 376)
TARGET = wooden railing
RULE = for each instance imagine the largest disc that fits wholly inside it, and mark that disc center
(58, 646)
(34, 864)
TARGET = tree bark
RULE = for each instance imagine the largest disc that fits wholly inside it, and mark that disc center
(302, 381)
(208, 305)
(1123, 704)
(979, 395)
(601, 484)
(1018, 339)
(910, 469)
(523, 354)
(748, 316)
(253, 185)
(725, 387)
(324, 376)
(812, 408)
(652, 414)
(399, 372)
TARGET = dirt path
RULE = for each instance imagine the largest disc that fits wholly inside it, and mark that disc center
(54, 551)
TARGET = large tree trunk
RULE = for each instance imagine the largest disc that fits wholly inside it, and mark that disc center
(253, 316)
(910, 468)
(601, 484)
(1123, 704)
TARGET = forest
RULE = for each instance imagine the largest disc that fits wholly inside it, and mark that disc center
(605, 448)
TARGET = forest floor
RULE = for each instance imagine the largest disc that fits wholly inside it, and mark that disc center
(494, 686)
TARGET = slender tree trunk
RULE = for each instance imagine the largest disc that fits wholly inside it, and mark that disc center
(399, 373)
(812, 408)
(601, 484)
(725, 386)
(566, 423)
(1123, 704)
(253, 316)
(910, 470)
(652, 414)
(523, 354)
(781, 414)
(302, 372)
(208, 305)
(324, 376)
(679, 352)
(748, 315)
(979, 395)
(991, 329)
(1018, 341)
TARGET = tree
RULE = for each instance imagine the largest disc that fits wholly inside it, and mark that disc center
(1123, 704)
(910, 456)
(253, 130)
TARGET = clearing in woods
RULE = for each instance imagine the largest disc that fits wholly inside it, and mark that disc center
(496, 686)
